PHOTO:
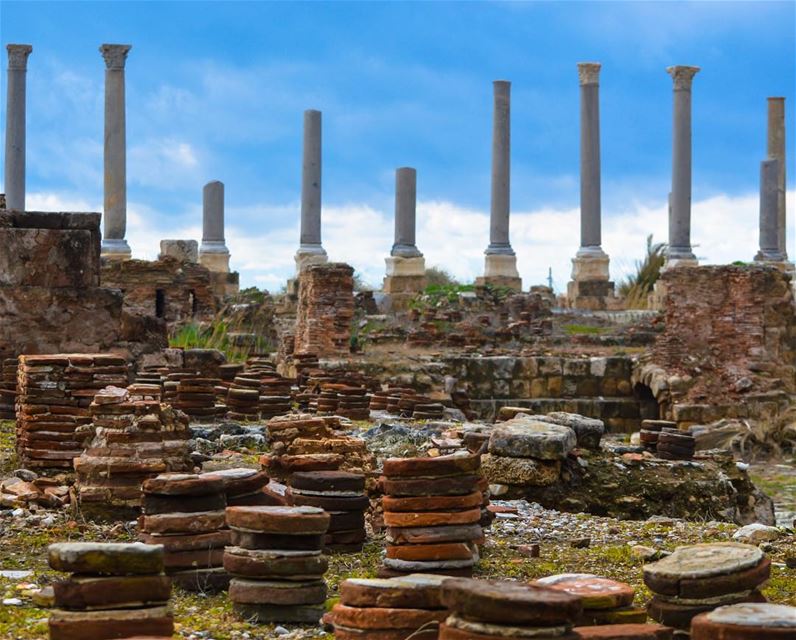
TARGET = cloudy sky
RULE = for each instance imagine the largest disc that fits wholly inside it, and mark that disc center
(216, 90)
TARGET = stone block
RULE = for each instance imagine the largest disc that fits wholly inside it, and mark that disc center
(180, 250)
(539, 388)
(520, 471)
(588, 387)
(520, 388)
(569, 386)
(579, 367)
(597, 366)
(550, 366)
(555, 385)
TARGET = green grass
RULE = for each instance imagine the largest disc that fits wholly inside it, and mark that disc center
(583, 329)
(216, 336)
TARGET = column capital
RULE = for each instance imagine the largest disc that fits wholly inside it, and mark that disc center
(589, 72)
(115, 55)
(683, 76)
(18, 56)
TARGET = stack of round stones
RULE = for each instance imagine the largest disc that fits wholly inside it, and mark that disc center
(389, 609)
(378, 400)
(702, 577)
(673, 444)
(243, 399)
(353, 403)
(185, 513)
(625, 632)
(432, 509)
(275, 399)
(427, 409)
(242, 486)
(8, 388)
(484, 609)
(327, 400)
(651, 429)
(746, 622)
(196, 396)
(342, 495)
(604, 601)
(116, 591)
(277, 563)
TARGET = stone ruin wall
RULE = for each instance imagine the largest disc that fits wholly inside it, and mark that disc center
(325, 310)
(51, 300)
(729, 344)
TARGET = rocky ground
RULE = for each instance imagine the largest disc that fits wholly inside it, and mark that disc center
(566, 543)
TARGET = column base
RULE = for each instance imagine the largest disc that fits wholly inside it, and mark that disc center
(500, 270)
(116, 249)
(680, 257)
(308, 254)
(404, 275)
(214, 255)
(591, 287)
(774, 258)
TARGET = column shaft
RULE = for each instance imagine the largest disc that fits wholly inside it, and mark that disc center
(769, 213)
(501, 170)
(776, 149)
(213, 212)
(15, 126)
(590, 197)
(311, 180)
(405, 213)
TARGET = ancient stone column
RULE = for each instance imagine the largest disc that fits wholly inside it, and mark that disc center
(769, 213)
(406, 266)
(590, 286)
(501, 262)
(114, 246)
(679, 250)
(15, 126)
(776, 149)
(213, 252)
(310, 249)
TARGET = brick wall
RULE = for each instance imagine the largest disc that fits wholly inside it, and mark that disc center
(325, 310)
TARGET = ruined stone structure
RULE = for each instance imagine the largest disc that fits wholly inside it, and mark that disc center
(51, 300)
(325, 310)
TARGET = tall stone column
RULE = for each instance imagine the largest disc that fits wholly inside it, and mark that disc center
(213, 252)
(15, 126)
(310, 249)
(406, 266)
(501, 262)
(769, 213)
(679, 250)
(114, 246)
(776, 149)
(590, 287)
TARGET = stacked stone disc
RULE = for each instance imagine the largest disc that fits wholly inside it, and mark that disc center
(55, 392)
(432, 510)
(129, 441)
(172, 381)
(406, 404)
(389, 609)
(353, 403)
(673, 444)
(116, 591)
(277, 562)
(427, 409)
(275, 396)
(243, 399)
(631, 631)
(242, 486)
(145, 392)
(186, 514)
(379, 400)
(699, 578)
(196, 396)
(483, 609)
(651, 429)
(757, 621)
(327, 400)
(342, 495)
(605, 601)
(260, 364)
(8, 388)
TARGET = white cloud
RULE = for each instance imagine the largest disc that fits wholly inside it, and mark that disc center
(724, 229)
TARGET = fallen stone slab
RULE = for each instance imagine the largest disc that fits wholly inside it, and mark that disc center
(527, 438)
(106, 558)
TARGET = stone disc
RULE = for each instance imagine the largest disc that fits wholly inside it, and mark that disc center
(152, 504)
(451, 633)
(182, 484)
(254, 540)
(433, 503)
(431, 518)
(188, 542)
(116, 623)
(346, 520)
(266, 613)
(385, 618)
(624, 632)
(429, 535)
(328, 481)
(430, 552)
(346, 633)
(212, 580)
(282, 593)
(279, 520)
(430, 566)
(452, 465)
(623, 615)
(182, 523)
(199, 559)
(504, 602)
(331, 503)
(598, 593)
(455, 621)
(415, 591)
(680, 616)
(260, 563)
(450, 486)
(87, 592)
(746, 622)
(241, 481)
(106, 558)
(706, 570)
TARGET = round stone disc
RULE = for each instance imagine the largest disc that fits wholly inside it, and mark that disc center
(182, 484)
(451, 633)
(282, 520)
(598, 593)
(624, 632)
(431, 518)
(385, 618)
(415, 591)
(347, 633)
(416, 486)
(282, 565)
(328, 481)
(433, 503)
(748, 621)
(452, 465)
(243, 591)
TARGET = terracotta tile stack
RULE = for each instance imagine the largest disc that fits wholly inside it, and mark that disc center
(699, 578)
(156, 377)
(172, 381)
(55, 392)
(325, 310)
(484, 609)
(242, 486)
(674, 444)
(432, 510)
(131, 441)
(605, 602)
(116, 591)
(394, 396)
(746, 622)
(144, 392)
(185, 513)
(260, 364)
(406, 404)
(243, 399)
(327, 401)
(342, 496)
(305, 364)
(379, 400)
(277, 563)
(427, 409)
(650, 430)
(389, 609)
(8, 388)
(649, 631)
(275, 396)
(353, 403)
(196, 396)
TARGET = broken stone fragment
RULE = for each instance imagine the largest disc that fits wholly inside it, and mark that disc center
(504, 470)
(588, 431)
(524, 437)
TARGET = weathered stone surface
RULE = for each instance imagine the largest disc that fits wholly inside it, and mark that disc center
(756, 533)
(190, 542)
(84, 592)
(347, 633)
(509, 603)
(431, 566)
(761, 621)
(265, 613)
(327, 481)
(183, 484)
(330, 503)
(588, 431)
(427, 535)
(196, 558)
(384, 618)
(596, 593)
(452, 465)
(155, 505)
(520, 471)
(431, 518)
(325, 309)
(182, 523)
(415, 591)
(524, 437)
(281, 593)
(624, 632)
(448, 486)
(107, 558)
(241, 481)
(285, 565)
(80, 625)
(485, 631)
(679, 616)
(433, 503)
(279, 520)
(287, 542)
(430, 552)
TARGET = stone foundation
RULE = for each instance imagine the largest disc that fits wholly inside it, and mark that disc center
(590, 287)
(325, 310)
(500, 270)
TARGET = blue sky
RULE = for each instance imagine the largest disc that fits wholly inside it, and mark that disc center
(216, 90)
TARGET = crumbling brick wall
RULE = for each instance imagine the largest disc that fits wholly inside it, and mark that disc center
(731, 329)
(325, 309)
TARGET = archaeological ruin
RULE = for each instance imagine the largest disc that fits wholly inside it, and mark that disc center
(477, 461)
